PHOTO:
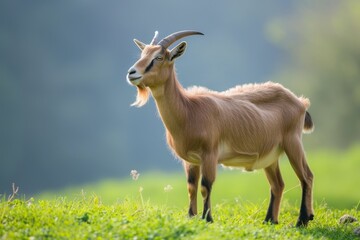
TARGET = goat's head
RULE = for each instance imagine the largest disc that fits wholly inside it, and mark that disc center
(155, 64)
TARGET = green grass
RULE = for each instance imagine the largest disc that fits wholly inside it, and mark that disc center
(116, 209)
(88, 218)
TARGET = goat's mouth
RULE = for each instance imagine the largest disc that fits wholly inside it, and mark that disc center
(134, 80)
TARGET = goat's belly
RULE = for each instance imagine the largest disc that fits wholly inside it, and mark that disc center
(235, 159)
(245, 161)
(248, 161)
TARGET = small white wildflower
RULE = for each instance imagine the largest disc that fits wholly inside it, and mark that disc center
(168, 188)
(134, 174)
(29, 202)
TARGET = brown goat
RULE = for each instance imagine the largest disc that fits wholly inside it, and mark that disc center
(247, 126)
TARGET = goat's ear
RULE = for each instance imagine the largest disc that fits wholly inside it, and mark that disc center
(140, 45)
(177, 51)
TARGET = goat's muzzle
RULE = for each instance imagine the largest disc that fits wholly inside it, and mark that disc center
(133, 77)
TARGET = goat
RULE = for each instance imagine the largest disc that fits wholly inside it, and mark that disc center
(247, 126)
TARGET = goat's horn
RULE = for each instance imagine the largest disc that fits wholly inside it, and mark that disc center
(154, 40)
(167, 41)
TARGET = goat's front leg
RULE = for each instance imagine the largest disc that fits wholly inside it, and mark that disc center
(192, 176)
(208, 170)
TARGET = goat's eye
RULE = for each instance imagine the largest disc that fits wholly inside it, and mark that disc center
(159, 58)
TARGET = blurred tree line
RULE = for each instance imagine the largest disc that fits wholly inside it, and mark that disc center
(321, 41)
(64, 100)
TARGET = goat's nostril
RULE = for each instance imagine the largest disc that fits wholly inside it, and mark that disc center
(131, 71)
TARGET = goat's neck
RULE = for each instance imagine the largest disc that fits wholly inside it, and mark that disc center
(171, 102)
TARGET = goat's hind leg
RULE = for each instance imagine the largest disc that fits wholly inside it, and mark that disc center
(295, 152)
(277, 186)
(192, 176)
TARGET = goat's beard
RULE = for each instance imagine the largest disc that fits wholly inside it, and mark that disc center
(142, 96)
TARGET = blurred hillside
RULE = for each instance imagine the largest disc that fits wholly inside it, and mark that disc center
(65, 113)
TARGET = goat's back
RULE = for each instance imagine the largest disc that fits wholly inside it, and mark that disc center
(253, 117)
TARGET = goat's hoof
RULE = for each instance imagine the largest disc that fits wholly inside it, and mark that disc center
(191, 214)
(208, 219)
(304, 222)
(271, 221)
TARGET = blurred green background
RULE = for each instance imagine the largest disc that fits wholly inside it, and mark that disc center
(65, 115)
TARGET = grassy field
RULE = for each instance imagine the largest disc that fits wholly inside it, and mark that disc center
(130, 219)
(155, 206)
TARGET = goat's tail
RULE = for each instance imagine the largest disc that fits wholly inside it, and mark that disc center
(308, 123)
